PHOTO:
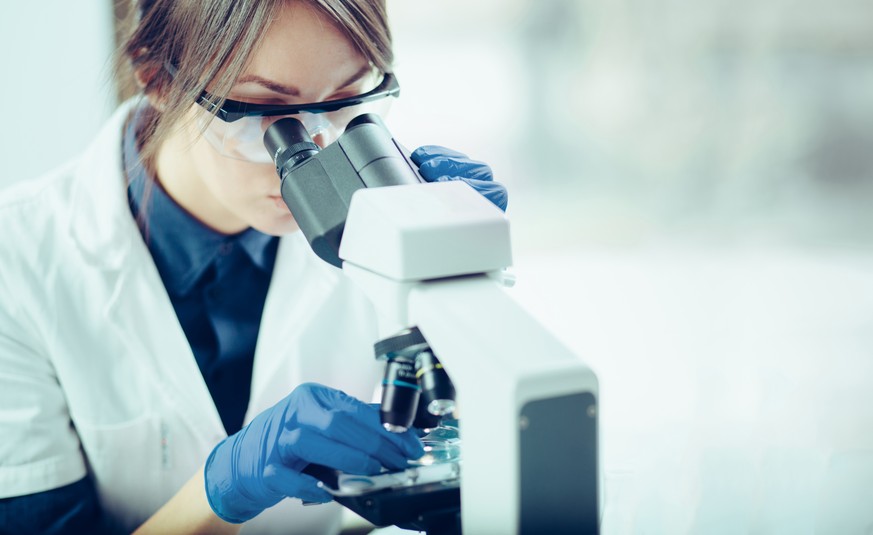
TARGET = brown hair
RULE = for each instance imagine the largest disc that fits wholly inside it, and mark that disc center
(209, 43)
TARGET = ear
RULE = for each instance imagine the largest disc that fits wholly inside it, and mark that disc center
(150, 79)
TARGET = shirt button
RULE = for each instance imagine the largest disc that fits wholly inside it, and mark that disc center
(213, 293)
(225, 248)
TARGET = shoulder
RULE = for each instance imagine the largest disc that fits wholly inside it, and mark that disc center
(28, 194)
(31, 211)
(101, 157)
(28, 206)
(31, 216)
(85, 197)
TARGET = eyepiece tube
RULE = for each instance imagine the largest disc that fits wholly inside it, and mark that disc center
(366, 118)
(289, 144)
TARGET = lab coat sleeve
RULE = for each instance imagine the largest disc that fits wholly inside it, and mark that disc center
(39, 449)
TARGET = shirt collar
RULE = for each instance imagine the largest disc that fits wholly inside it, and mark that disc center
(181, 245)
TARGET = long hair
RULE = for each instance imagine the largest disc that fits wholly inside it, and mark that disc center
(208, 42)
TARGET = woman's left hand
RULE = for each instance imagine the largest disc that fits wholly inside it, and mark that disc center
(439, 164)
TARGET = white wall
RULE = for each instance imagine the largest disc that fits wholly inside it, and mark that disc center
(691, 186)
(628, 122)
(56, 82)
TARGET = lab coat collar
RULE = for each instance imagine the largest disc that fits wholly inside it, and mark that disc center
(160, 342)
(182, 246)
(100, 219)
(106, 236)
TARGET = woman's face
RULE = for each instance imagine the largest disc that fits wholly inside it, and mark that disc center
(303, 58)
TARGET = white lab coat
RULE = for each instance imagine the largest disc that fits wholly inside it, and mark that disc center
(96, 375)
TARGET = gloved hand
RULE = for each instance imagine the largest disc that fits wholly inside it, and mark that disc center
(261, 464)
(439, 164)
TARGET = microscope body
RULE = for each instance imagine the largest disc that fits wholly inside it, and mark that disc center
(528, 405)
(431, 256)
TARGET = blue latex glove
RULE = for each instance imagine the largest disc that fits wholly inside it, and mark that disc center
(261, 464)
(439, 164)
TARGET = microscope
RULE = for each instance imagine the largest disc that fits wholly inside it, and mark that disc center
(431, 257)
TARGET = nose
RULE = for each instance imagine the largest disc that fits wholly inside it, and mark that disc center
(323, 138)
(319, 128)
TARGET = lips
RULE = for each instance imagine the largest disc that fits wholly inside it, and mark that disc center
(279, 202)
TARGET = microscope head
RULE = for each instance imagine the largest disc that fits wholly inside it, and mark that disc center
(317, 184)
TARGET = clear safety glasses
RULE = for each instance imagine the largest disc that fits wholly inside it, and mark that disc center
(237, 131)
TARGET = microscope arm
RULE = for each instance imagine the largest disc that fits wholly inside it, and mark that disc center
(528, 405)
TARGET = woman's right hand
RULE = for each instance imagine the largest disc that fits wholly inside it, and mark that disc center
(261, 464)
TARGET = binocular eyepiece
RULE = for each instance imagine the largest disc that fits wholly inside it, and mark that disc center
(318, 184)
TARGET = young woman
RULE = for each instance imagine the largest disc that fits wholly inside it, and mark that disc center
(166, 334)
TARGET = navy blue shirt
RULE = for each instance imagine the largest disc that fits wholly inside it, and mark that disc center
(217, 284)
(71, 509)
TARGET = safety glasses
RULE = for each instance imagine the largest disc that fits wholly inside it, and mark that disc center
(239, 131)
(233, 110)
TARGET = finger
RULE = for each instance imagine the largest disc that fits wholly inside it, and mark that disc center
(493, 191)
(312, 492)
(352, 422)
(365, 434)
(288, 482)
(426, 152)
(464, 168)
(313, 447)
(370, 421)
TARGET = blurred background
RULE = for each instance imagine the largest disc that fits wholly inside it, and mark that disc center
(690, 194)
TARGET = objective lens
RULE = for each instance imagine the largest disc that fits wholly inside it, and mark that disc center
(424, 419)
(437, 389)
(400, 395)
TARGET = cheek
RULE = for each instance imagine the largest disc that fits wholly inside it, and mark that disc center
(234, 181)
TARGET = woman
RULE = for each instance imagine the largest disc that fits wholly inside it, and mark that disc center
(153, 323)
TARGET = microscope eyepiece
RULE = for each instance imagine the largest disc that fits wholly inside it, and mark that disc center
(318, 184)
(366, 118)
(289, 144)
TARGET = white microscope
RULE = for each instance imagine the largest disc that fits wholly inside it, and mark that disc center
(431, 257)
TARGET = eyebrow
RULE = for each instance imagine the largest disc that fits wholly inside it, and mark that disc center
(290, 90)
